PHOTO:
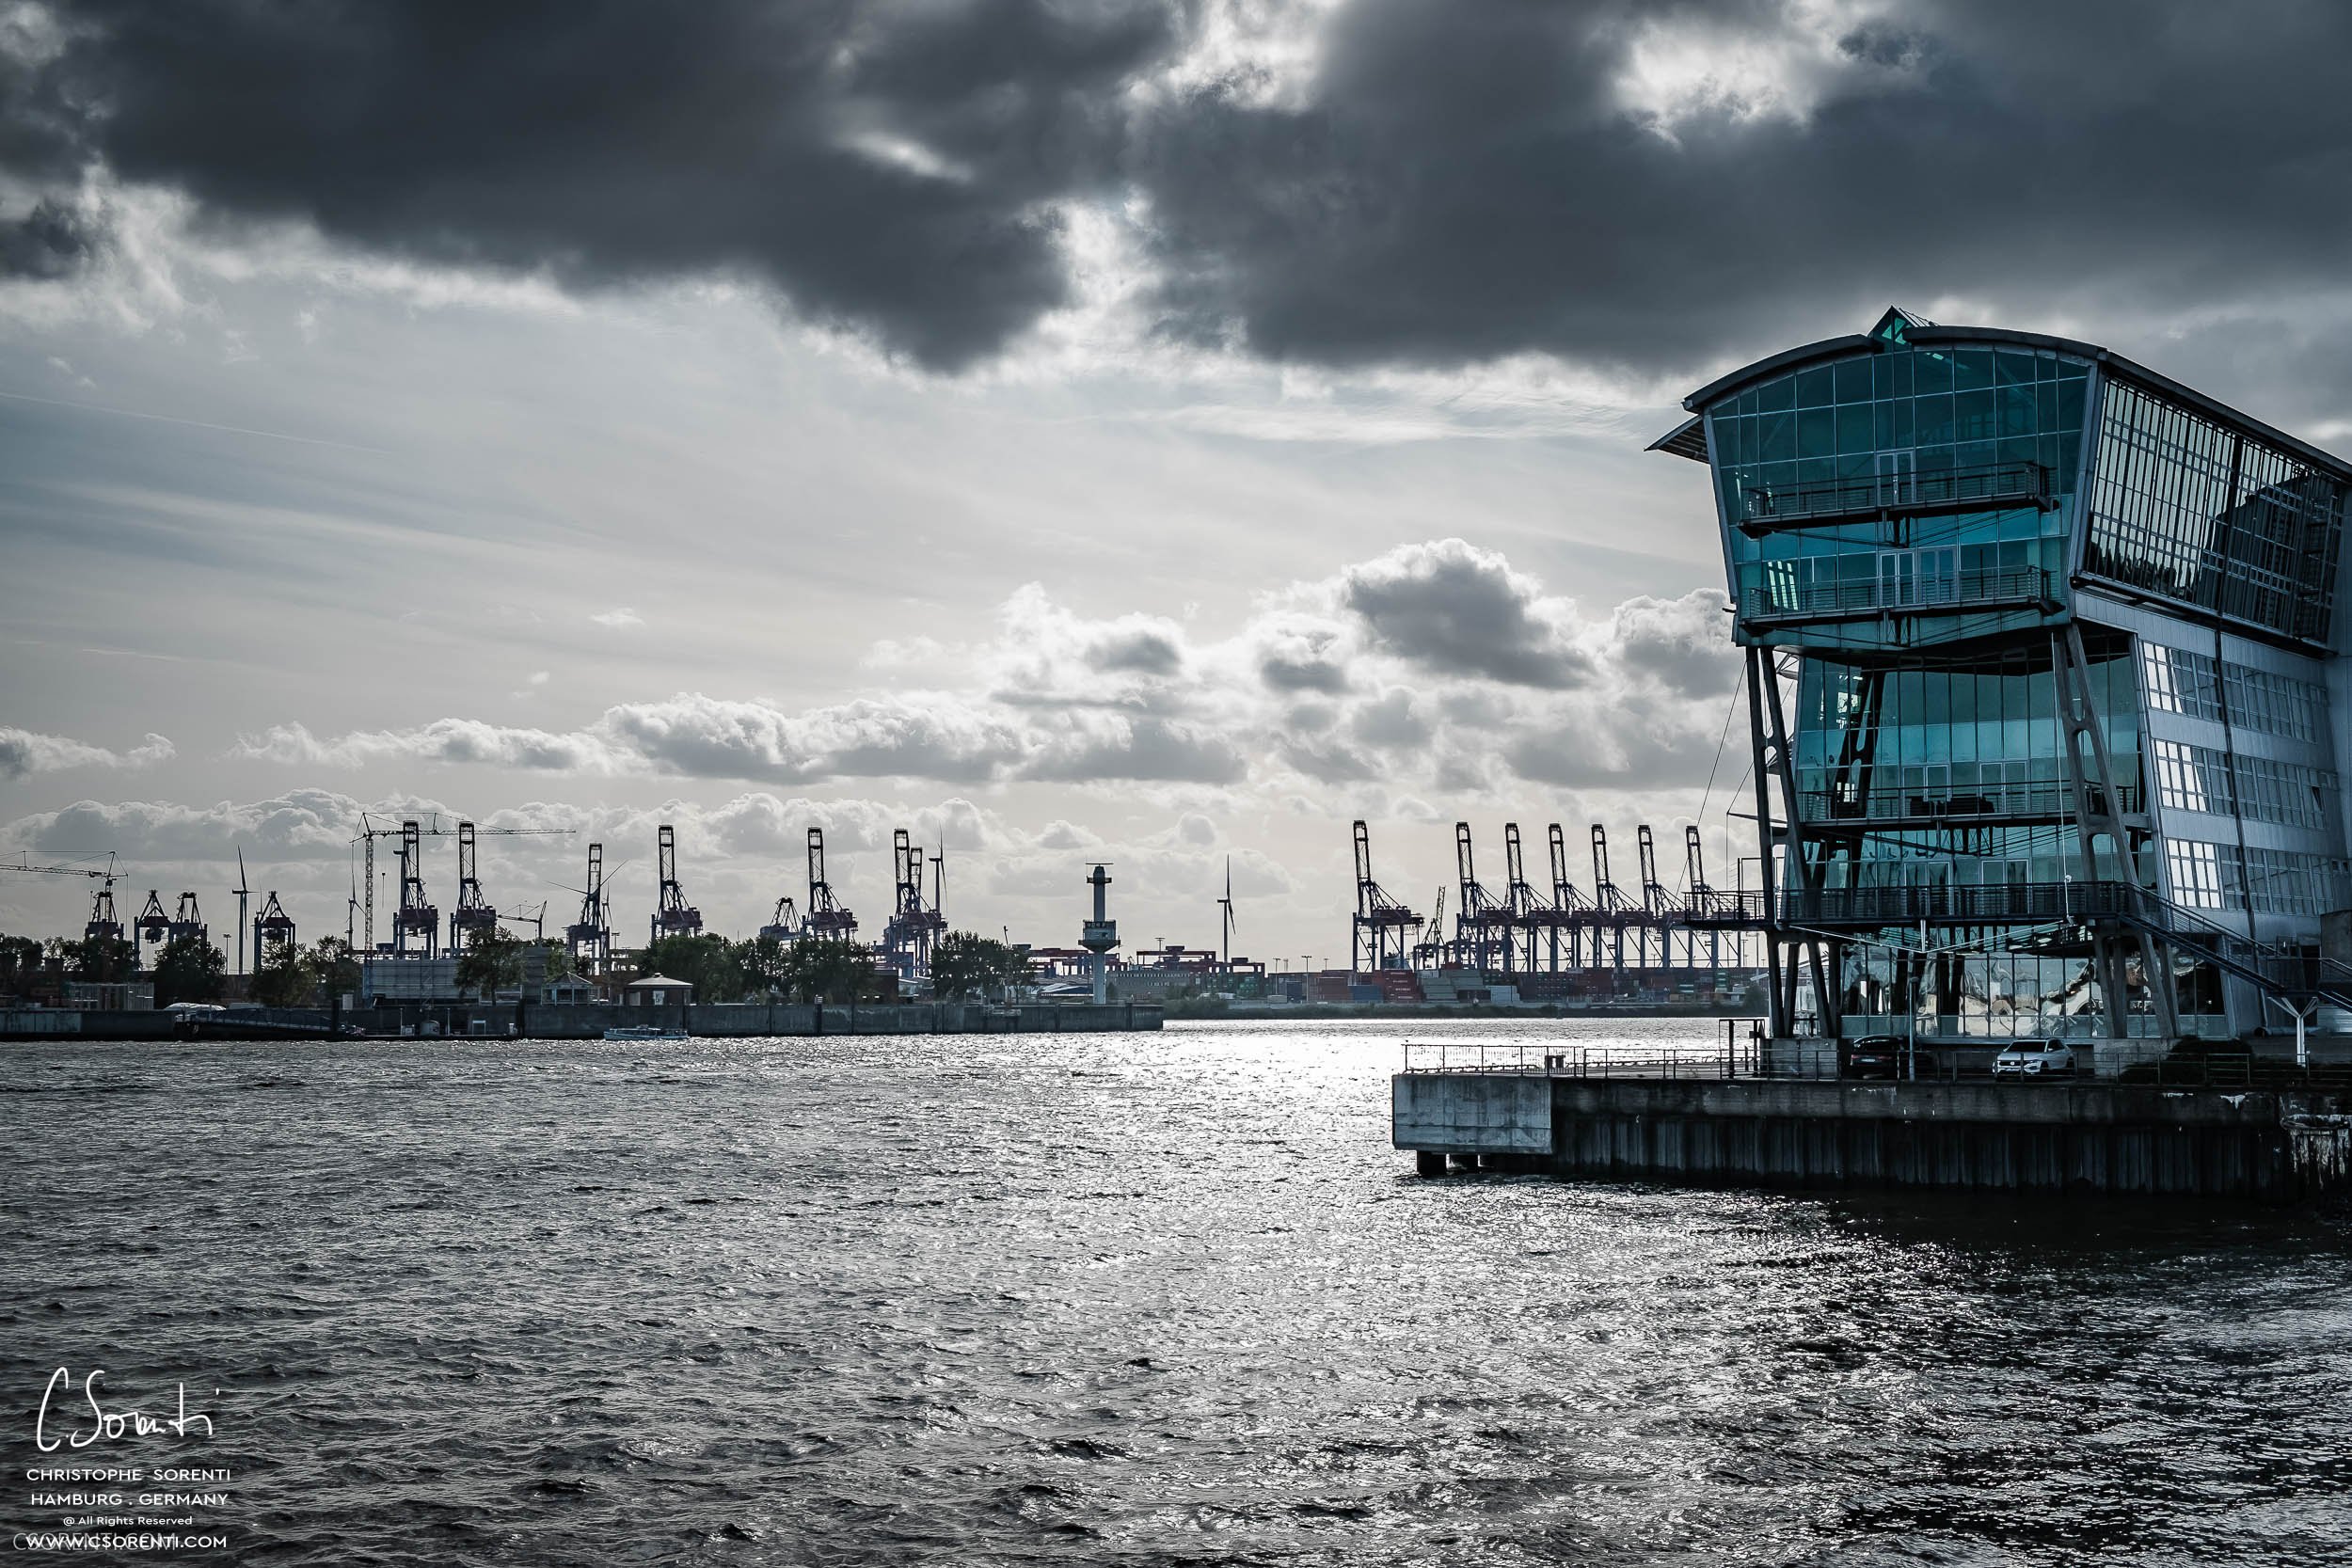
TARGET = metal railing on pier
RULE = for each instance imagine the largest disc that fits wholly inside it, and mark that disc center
(1737, 1055)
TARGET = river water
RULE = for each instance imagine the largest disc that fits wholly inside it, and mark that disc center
(1117, 1299)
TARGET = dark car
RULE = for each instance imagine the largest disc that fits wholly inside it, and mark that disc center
(1875, 1056)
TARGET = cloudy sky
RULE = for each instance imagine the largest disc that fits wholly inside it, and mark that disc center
(1070, 429)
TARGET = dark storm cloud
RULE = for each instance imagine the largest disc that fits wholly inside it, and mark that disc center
(883, 165)
(1450, 182)
(52, 241)
(1464, 181)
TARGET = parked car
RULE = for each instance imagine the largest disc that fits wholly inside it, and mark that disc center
(1875, 1056)
(2035, 1059)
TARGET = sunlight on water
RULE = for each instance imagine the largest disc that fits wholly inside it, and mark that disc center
(1117, 1299)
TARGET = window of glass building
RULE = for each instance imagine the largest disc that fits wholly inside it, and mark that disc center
(2186, 682)
(1818, 454)
(2182, 507)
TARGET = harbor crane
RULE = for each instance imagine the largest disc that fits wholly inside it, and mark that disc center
(153, 929)
(1384, 931)
(1481, 913)
(1567, 900)
(273, 931)
(673, 916)
(475, 916)
(828, 918)
(423, 828)
(913, 925)
(785, 925)
(590, 937)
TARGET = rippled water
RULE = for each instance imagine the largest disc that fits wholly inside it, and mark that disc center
(1111, 1299)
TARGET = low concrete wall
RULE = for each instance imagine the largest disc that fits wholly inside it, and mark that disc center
(2090, 1137)
(1464, 1113)
(590, 1021)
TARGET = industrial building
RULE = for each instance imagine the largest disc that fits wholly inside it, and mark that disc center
(2046, 692)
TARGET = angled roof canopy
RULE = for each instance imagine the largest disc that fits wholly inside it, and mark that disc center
(1899, 327)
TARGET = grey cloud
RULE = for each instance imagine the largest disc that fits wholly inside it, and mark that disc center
(52, 241)
(886, 167)
(1684, 643)
(1295, 656)
(1390, 723)
(1143, 749)
(301, 824)
(24, 752)
(1459, 610)
(1458, 182)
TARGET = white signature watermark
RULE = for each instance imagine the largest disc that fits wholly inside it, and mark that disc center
(107, 1425)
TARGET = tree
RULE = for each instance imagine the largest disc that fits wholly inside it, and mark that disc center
(707, 963)
(334, 966)
(101, 960)
(492, 960)
(825, 969)
(188, 970)
(964, 963)
(766, 964)
(283, 978)
(21, 959)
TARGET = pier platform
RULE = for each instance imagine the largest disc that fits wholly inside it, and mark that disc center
(2089, 1136)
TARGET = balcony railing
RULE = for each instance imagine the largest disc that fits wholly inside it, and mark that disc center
(1926, 594)
(1765, 509)
(1941, 904)
(1946, 804)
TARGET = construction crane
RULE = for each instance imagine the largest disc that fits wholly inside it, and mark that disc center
(1384, 929)
(102, 924)
(827, 917)
(1612, 910)
(424, 827)
(475, 916)
(590, 937)
(673, 916)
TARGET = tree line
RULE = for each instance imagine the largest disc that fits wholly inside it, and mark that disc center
(190, 968)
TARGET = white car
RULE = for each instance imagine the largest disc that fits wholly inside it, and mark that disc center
(2035, 1059)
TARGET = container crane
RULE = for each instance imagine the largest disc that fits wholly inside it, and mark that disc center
(1384, 930)
(827, 917)
(273, 931)
(370, 831)
(673, 916)
(590, 937)
(475, 916)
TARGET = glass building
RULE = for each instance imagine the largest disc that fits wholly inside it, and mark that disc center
(2047, 690)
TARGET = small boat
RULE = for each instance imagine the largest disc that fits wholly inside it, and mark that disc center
(646, 1032)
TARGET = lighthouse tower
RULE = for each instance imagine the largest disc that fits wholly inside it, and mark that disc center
(1101, 935)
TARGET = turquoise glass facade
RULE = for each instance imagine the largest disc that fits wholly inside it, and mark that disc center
(1932, 536)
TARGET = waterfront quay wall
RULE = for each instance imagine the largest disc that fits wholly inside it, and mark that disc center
(2118, 1140)
(546, 1021)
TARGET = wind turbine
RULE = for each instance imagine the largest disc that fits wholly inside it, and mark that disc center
(1225, 934)
(243, 893)
(350, 914)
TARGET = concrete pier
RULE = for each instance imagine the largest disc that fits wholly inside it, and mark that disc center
(2090, 1137)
